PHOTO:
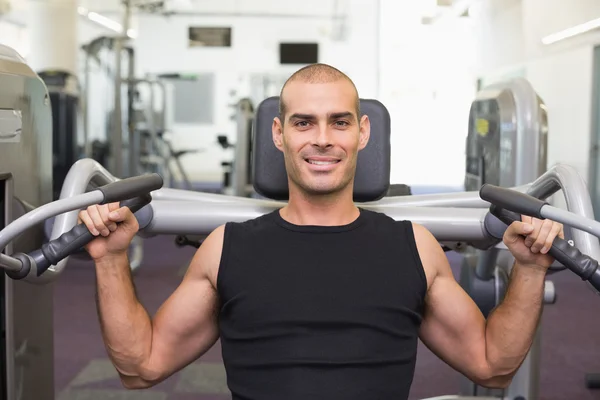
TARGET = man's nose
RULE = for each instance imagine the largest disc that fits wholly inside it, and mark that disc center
(323, 137)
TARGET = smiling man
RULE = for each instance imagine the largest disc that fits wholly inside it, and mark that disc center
(324, 131)
(321, 299)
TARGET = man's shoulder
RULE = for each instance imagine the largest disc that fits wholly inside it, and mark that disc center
(251, 223)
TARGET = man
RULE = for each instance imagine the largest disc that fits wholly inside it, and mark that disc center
(321, 299)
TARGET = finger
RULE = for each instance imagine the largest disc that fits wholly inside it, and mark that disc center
(104, 212)
(98, 222)
(113, 206)
(527, 219)
(543, 236)
(85, 218)
(554, 232)
(531, 238)
(120, 215)
(516, 231)
(562, 231)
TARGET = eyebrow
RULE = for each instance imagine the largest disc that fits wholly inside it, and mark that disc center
(345, 114)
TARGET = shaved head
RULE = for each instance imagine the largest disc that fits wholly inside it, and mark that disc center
(317, 73)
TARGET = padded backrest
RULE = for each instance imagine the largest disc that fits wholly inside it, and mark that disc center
(373, 165)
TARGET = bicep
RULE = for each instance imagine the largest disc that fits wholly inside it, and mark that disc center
(186, 325)
(453, 327)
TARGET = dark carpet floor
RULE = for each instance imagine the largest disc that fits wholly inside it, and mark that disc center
(570, 338)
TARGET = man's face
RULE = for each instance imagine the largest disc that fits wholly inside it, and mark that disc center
(321, 135)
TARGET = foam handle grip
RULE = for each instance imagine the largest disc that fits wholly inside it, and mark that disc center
(131, 187)
(508, 217)
(61, 247)
(512, 200)
(569, 256)
(73, 240)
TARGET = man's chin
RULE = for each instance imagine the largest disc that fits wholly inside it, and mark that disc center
(322, 188)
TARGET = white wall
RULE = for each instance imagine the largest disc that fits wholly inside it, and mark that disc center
(510, 43)
(423, 74)
(162, 47)
(564, 82)
(15, 36)
(427, 82)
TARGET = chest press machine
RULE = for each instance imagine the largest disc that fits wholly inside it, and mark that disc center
(475, 218)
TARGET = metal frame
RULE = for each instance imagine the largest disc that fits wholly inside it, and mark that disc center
(521, 137)
(176, 211)
(9, 362)
(451, 218)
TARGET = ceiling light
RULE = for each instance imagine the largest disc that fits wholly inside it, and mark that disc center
(573, 31)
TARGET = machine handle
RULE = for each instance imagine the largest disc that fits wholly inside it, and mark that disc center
(131, 187)
(69, 242)
(512, 200)
(569, 256)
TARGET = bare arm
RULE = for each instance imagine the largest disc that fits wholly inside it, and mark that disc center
(146, 351)
(487, 352)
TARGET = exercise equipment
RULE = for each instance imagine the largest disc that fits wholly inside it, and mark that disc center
(237, 173)
(506, 146)
(25, 181)
(26, 168)
(64, 91)
(152, 151)
(136, 130)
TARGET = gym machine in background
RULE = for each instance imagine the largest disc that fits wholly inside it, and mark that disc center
(26, 175)
(135, 132)
(237, 174)
(506, 146)
(67, 144)
(26, 311)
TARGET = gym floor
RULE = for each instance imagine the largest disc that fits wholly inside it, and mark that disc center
(83, 371)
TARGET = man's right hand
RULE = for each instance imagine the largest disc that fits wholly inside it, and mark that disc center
(113, 226)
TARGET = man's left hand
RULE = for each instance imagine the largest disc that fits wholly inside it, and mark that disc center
(530, 240)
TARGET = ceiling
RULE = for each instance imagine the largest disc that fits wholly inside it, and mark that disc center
(431, 10)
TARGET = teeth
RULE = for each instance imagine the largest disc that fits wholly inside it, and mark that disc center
(321, 162)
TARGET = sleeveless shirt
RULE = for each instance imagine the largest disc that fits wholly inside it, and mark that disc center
(320, 312)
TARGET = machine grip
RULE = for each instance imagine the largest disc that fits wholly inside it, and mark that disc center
(73, 240)
(512, 200)
(569, 256)
(137, 203)
(508, 217)
(130, 187)
(66, 244)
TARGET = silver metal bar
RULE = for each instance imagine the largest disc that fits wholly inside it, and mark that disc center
(577, 198)
(41, 214)
(9, 300)
(469, 199)
(192, 218)
(571, 219)
(133, 149)
(186, 195)
(244, 114)
(10, 263)
(116, 141)
(458, 199)
(87, 145)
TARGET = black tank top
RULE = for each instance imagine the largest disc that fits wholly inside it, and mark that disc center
(320, 312)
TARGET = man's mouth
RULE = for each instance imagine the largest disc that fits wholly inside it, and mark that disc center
(322, 160)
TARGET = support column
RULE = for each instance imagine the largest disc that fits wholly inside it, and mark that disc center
(53, 35)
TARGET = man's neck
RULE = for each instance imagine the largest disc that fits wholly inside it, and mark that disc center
(323, 210)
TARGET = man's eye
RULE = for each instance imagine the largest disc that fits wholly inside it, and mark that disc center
(302, 123)
(342, 123)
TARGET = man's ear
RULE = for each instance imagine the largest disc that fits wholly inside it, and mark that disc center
(365, 132)
(277, 131)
